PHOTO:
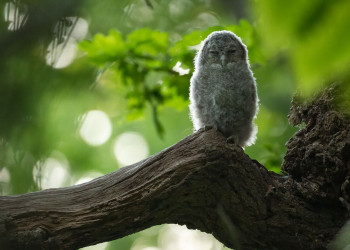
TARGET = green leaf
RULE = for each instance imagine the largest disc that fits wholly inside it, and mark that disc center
(324, 54)
(244, 30)
(183, 46)
(103, 49)
(147, 42)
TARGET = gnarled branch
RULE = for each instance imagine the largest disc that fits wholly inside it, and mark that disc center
(202, 182)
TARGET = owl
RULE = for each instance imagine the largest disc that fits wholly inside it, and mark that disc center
(223, 92)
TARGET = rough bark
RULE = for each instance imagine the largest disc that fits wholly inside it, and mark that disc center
(205, 183)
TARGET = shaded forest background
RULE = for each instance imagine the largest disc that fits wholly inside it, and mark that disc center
(91, 86)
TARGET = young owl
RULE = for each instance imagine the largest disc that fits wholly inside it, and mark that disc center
(223, 91)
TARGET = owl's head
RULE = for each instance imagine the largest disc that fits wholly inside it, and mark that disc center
(222, 49)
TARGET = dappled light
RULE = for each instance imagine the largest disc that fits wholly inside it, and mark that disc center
(174, 237)
(101, 246)
(129, 148)
(206, 19)
(60, 55)
(96, 127)
(52, 172)
(139, 12)
(4, 181)
(62, 51)
(177, 68)
(15, 14)
(142, 247)
(80, 28)
(88, 177)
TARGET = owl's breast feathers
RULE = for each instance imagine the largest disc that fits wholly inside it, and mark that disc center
(228, 87)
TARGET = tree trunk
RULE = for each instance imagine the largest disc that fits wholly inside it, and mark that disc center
(205, 183)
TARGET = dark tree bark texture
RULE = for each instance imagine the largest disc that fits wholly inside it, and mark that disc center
(205, 183)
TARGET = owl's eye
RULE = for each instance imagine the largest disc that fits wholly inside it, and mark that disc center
(231, 51)
(213, 52)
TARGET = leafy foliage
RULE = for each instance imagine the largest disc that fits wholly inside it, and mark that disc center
(314, 35)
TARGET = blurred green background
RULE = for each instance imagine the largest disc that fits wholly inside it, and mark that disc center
(91, 86)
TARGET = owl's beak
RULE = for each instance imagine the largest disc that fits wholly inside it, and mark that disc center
(223, 60)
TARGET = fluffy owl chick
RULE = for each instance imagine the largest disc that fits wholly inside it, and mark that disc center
(223, 91)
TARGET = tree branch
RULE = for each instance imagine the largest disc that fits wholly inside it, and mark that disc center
(202, 182)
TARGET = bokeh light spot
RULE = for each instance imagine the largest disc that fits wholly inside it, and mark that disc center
(96, 128)
(15, 15)
(177, 68)
(80, 28)
(53, 172)
(4, 176)
(180, 237)
(129, 148)
(62, 51)
(100, 246)
(88, 177)
(142, 247)
(63, 54)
